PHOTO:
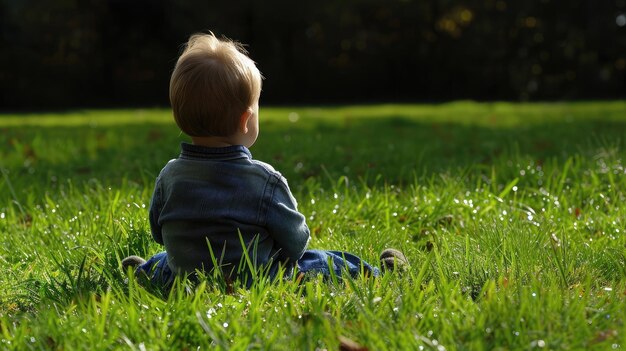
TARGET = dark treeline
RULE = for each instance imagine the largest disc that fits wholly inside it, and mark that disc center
(81, 53)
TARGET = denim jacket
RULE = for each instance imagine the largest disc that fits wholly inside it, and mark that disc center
(209, 200)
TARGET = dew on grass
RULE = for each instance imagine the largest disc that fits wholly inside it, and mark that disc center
(538, 343)
(555, 239)
(225, 325)
(210, 313)
(32, 339)
(2, 215)
(615, 346)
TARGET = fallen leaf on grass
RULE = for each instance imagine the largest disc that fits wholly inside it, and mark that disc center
(83, 170)
(26, 220)
(29, 152)
(346, 344)
(50, 343)
(604, 335)
(577, 212)
(154, 135)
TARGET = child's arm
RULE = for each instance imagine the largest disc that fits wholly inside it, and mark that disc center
(155, 209)
(286, 225)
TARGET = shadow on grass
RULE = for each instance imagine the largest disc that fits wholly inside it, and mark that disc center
(395, 149)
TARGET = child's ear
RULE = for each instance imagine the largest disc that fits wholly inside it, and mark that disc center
(243, 121)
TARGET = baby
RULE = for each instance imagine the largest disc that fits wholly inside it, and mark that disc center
(215, 207)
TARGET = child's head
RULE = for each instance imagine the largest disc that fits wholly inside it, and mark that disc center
(213, 84)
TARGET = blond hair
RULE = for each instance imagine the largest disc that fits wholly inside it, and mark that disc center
(213, 84)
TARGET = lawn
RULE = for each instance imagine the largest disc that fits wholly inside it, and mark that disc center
(512, 216)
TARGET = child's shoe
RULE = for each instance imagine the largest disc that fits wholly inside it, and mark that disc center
(393, 260)
(132, 261)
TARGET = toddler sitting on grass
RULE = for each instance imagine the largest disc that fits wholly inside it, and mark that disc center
(215, 207)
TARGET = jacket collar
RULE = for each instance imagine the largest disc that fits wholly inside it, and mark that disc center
(191, 151)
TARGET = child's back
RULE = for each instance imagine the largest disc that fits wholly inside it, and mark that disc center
(208, 196)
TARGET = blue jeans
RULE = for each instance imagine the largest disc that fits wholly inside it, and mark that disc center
(312, 262)
(339, 262)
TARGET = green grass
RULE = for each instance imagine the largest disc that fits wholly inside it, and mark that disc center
(512, 216)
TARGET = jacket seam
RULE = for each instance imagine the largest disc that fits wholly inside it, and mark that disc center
(268, 196)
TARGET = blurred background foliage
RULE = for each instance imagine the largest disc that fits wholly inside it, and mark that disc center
(59, 54)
